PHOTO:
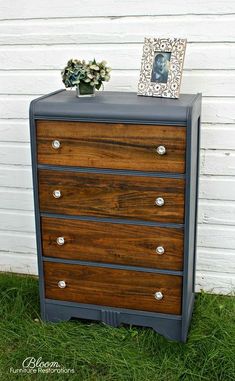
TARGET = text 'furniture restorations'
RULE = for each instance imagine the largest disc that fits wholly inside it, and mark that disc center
(115, 190)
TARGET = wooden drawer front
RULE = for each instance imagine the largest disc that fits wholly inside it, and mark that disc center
(117, 146)
(113, 287)
(113, 243)
(112, 195)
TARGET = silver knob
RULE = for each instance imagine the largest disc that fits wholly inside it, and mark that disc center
(62, 284)
(57, 193)
(160, 250)
(161, 150)
(159, 201)
(60, 241)
(55, 144)
(158, 295)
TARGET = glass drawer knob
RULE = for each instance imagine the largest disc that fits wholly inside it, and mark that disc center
(158, 295)
(159, 201)
(160, 250)
(62, 284)
(161, 150)
(57, 194)
(55, 144)
(60, 241)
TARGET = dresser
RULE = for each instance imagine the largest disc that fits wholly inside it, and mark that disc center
(115, 190)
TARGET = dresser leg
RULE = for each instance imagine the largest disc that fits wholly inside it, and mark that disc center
(56, 313)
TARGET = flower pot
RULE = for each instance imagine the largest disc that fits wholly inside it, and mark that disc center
(85, 90)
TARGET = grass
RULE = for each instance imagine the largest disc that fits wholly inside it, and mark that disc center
(101, 353)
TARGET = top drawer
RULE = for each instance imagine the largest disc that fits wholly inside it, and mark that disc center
(116, 146)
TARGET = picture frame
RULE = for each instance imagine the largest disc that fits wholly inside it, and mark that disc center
(161, 67)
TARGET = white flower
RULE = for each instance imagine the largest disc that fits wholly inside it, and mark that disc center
(94, 67)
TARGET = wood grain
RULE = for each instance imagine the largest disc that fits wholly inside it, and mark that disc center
(104, 195)
(113, 243)
(117, 146)
(113, 287)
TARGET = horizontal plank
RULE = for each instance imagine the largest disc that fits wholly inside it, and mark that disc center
(18, 199)
(215, 283)
(209, 83)
(15, 153)
(20, 221)
(15, 176)
(213, 136)
(211, 187)
(212, 162)
(16, 214)
(18, 263)
(18, 242)
(214, 110)
(218, 136)
(208, 259)
(222, 283)
(217, 188)
(15, 107)
(116, 30)
(221, 188)
(58, 8)
(216, 236)
(216, 212)
(216, 260)
(14, 131)
(218, 162)
(119, 56)
(219, 110)
(211, 212)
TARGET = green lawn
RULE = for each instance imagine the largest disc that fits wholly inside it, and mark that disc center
(99, 353)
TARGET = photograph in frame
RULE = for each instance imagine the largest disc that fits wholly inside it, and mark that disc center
(161, 67)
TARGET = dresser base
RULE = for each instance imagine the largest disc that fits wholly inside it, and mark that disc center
(170, 326)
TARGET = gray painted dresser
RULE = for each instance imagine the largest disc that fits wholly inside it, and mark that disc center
(115, 189)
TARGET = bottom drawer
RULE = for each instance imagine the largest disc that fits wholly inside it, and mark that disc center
(113, 287)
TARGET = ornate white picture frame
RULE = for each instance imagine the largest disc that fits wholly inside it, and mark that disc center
(161, 67)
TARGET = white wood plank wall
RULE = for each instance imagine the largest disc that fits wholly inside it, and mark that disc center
(36, 40)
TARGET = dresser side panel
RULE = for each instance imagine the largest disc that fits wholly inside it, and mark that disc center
(191, 200)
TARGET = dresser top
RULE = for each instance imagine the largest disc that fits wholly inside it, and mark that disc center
(113, 106)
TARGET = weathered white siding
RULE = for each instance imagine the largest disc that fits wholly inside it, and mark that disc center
(36, 40)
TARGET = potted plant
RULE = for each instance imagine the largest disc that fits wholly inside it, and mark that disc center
(86, 77)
